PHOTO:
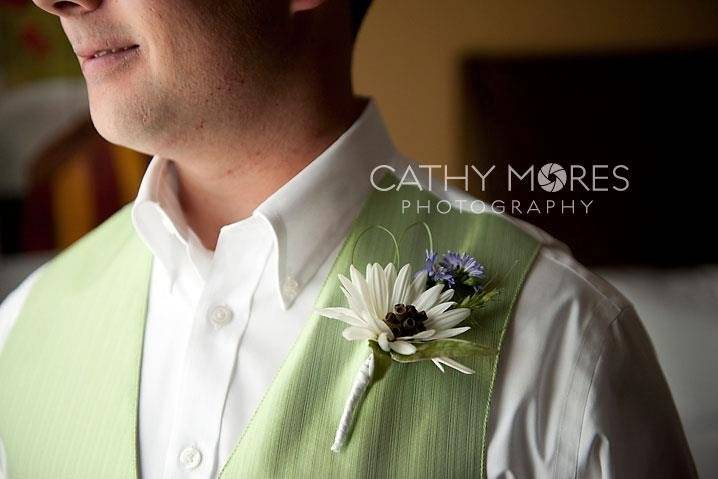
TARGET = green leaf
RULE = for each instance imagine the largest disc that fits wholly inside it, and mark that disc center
(479, 300)
(452, 348)
(382, 361)
(476, 303)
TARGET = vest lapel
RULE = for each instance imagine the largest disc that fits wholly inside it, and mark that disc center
(70, 369)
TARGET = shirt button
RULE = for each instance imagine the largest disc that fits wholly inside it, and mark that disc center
(220, 315)
(290, 287)
(190, 457)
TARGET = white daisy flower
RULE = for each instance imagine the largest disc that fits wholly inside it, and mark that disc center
(398, 312)
(401, 315)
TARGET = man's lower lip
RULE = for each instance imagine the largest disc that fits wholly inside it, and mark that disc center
(109, 61)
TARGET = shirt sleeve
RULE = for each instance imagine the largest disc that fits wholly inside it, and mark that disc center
(12, 305)
(631, 426)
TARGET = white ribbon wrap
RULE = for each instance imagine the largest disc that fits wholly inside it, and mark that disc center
(359, 387)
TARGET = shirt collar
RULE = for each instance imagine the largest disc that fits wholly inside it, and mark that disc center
(309, 215)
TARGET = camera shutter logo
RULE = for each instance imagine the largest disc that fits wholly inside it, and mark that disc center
(552, 177)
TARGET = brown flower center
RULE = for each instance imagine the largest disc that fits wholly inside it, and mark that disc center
(405, 320)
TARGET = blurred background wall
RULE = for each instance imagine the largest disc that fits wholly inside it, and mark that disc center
(410, 52)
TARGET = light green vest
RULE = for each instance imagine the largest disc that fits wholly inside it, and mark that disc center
(69, 371)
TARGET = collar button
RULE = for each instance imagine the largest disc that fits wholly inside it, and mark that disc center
(290, 288)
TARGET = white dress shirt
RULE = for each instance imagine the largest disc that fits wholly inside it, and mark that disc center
(579, 392)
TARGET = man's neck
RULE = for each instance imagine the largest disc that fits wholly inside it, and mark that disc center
(237, 173)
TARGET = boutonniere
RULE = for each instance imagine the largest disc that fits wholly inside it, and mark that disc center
(408, 318)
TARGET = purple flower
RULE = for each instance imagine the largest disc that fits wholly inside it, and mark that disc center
(436, 272)
(458, 271)
(462, 264)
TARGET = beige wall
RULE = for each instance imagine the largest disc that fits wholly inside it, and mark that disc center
(408, 52)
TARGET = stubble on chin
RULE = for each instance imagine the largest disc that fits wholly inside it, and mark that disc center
(140, 118)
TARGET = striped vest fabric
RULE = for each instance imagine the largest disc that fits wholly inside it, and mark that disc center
(70, 369)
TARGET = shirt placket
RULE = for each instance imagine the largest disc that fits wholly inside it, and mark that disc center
(220, 319)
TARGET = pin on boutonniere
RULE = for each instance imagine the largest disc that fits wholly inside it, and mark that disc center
(408, 318)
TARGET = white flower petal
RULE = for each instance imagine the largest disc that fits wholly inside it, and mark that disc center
(355, 304)
(456, 365)
(418, 286)
(362, 288)
(352, 294)
(383, 342)
(448, 319)
(382, 327)
(402, 347)
(346, 293)
(379, 291)
(446, 296)
(450, 333)
(428, 298)
(438, 365)
(350, 288)
(371, 323)
(346, 282)
(428, 334)
(353, 333)
(355, 275)
(390, 273)
(345, 315)
(439, 308)
(402, 287)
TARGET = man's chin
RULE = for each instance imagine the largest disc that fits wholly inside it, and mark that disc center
(139, 122)
(122, 136)
(119, 128)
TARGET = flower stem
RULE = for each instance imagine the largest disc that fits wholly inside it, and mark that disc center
(359, 387)
(385, 230)
(427, 229)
